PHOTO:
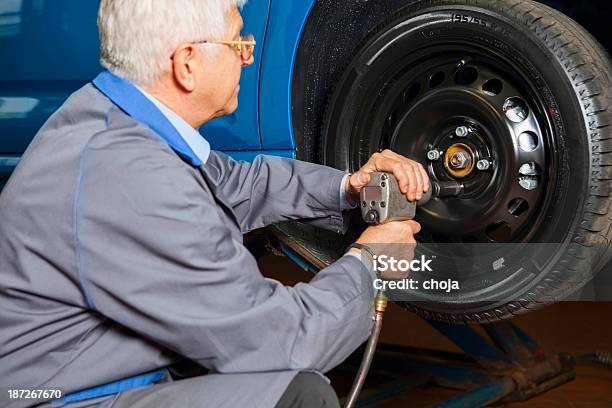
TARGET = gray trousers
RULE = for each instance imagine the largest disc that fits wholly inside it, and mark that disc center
(306, 390)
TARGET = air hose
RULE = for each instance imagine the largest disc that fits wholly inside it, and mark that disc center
(380, 305)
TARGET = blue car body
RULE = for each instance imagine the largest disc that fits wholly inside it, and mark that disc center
(50, 49)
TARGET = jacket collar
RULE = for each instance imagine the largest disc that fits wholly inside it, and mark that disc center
(130, 100)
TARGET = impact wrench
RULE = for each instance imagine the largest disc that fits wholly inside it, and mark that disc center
(382, 201)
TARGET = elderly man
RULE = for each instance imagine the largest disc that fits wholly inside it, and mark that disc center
(121, 236)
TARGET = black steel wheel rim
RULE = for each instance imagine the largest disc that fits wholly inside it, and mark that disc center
(415, 106)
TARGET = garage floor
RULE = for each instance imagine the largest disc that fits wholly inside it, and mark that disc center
(572, 327)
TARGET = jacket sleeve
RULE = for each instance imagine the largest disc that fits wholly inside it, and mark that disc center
(156, 255)
(273, 189)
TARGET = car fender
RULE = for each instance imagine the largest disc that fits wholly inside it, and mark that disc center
(285, 25)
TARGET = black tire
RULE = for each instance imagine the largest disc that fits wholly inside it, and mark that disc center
(565, 77)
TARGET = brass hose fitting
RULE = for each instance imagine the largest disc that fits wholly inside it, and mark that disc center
(380, 302)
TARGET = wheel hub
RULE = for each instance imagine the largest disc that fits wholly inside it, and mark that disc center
(459, 160)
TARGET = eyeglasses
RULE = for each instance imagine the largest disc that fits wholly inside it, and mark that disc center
(243, 47)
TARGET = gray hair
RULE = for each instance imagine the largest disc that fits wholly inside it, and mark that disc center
(137, 37)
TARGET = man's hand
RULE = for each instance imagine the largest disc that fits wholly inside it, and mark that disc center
(394, 232)
(394, 238)
(411, 177)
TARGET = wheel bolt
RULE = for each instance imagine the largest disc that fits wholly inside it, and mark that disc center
(433, 155)
(483, 164)
(462, 131)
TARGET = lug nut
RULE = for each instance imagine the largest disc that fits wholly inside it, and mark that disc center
(433, 155)
(483, 164)
(462, 131)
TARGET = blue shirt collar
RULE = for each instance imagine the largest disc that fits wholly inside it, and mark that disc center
(199, 146)
(179, 135)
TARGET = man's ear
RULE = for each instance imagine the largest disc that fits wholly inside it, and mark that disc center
(183, 67)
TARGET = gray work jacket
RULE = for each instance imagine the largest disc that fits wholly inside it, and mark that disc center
(117, 258)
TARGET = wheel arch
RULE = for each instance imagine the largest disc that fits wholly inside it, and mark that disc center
(280, 45)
